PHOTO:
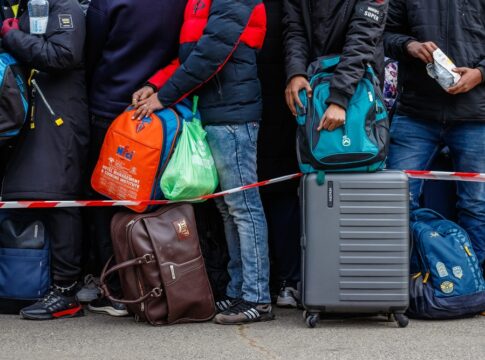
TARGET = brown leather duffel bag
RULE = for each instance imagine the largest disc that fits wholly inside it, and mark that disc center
(161, 268)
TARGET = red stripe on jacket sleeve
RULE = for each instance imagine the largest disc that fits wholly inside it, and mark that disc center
(255, 32)
(162, 76)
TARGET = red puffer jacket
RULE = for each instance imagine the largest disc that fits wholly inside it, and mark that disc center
(217, 60)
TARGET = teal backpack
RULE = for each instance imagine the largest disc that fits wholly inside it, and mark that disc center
(361, 144)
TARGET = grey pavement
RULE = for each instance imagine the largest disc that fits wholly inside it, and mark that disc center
(103, 337)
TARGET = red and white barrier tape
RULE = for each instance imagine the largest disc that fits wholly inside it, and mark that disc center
(442, 175)
(427, 175)
(110, 203)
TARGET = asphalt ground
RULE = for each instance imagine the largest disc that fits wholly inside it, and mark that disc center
(103, 337)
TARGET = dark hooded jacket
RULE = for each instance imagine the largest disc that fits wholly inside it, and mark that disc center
(351, 28)
(119, 63)
(458, 28)
(48, 160)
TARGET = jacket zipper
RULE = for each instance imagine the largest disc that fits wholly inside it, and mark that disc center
(218, 85)
(447, 28)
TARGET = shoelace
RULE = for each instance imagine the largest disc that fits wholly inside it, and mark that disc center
(50, 297)
(90, 281)
(240, 306)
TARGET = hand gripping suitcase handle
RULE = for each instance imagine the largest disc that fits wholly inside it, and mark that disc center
(142, 260)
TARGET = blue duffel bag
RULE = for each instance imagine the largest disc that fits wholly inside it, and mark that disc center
(446, 278)
(24, 260)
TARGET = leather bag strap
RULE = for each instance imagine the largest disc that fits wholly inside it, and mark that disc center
(142, 260)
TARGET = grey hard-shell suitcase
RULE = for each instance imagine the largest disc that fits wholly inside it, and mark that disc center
(355, 245)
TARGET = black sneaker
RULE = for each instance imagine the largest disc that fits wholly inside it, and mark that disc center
(242, 312)
(56, 304)
(108, 307)
(224, 304)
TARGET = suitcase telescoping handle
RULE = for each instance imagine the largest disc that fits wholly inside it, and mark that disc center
(142, 260)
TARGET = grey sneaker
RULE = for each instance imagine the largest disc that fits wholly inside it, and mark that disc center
(108, 307)
(242, 312)
(288, 297)
(90, 289)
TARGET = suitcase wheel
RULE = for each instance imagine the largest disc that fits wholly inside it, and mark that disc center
(311, 319)
(401, 320)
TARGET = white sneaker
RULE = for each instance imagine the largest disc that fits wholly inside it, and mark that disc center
(288, 297)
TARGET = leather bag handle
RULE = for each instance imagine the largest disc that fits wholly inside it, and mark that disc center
(142, 260)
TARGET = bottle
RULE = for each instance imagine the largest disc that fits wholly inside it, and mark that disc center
(39, 16)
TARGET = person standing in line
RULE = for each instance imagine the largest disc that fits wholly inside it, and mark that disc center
(121, 54)
(217, 61)
(48, 160)
(352, 29)
(428, 117)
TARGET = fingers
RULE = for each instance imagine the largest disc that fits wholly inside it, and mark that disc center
(332, 125)
(426, 55)
(460, 70)
(136, 98)
(145, 94)
(322, 124)
(459, 88)
(332, 119)
(429, 49)
(290, 102)
(138, 113)
(431, 46)
(309, 90)
(142, 94)
(142, 110)
(295, 94)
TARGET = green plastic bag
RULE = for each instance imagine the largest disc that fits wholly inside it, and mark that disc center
(191, 172)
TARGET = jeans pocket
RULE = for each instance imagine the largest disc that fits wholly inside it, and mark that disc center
(253, 130)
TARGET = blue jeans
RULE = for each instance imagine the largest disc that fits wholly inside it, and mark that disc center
(415, 143)
(234, 148)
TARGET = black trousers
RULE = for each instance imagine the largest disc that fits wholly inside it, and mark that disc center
(99, 219)
(64, 227)
(282, 211)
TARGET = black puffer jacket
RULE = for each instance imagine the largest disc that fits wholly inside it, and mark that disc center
(48, 160)
(351, 28)
(458, 28)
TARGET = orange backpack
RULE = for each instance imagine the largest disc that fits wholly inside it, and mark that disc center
(135, 154)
